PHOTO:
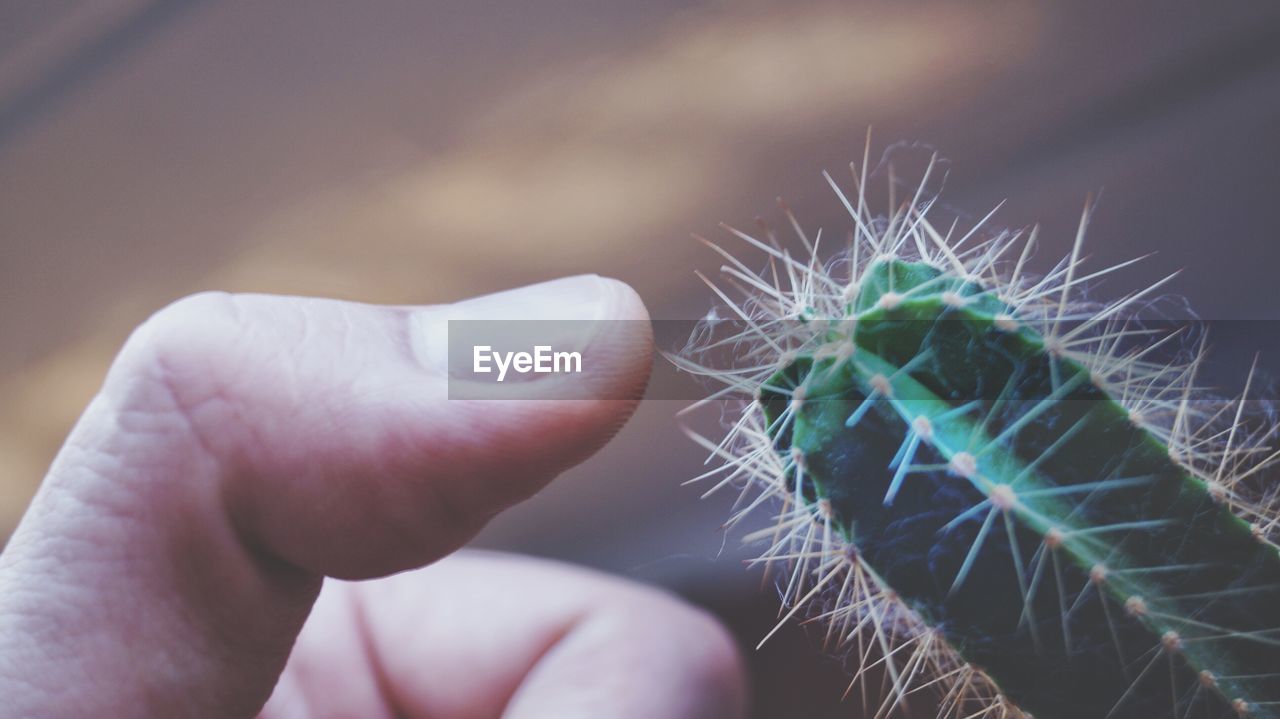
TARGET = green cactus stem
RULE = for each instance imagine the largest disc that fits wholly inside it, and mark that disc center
(983, 483)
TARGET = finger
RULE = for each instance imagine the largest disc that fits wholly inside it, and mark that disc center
(482, 634)
(244, 446)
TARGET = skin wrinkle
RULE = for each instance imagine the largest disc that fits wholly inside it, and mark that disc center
(555, 640)
(392, 703)
(580, 627)
(345, 331)
(184, 411)
(96, 512)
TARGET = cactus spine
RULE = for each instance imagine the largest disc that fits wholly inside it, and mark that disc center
(1000, 502)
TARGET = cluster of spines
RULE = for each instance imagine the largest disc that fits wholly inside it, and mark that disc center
(826, 582)
(785, 311)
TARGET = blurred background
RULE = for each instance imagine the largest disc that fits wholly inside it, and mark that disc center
(417, 152)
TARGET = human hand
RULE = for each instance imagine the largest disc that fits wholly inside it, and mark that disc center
(243, 448)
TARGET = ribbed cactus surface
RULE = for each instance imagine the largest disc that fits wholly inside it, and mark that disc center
(1017, 507)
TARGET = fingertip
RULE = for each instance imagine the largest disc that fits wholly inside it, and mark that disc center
(724, 669)
(558, 418)
(699, 660)
(472, 343)
(620, 351)
(626, 303)
(708, 661)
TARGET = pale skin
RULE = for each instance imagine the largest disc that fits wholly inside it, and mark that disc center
(259, 515)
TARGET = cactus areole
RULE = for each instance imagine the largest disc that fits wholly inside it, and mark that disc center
(986, 498)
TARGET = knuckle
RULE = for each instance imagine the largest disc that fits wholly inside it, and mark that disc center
(192, 320)
(196, 323)
(182, 345)
(695, 626)
(195, 310)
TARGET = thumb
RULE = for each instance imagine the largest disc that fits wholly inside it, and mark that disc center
(241, 448)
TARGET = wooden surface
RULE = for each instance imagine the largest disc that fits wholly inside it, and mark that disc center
(420, 152)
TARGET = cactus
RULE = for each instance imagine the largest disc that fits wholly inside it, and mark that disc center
(1002, 500)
